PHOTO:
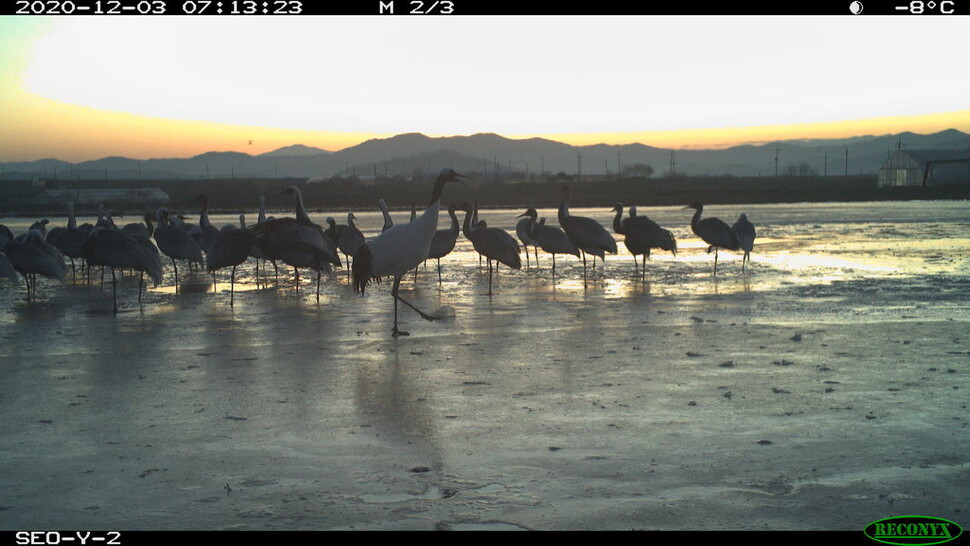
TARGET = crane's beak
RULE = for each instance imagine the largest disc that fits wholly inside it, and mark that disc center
(459, 177)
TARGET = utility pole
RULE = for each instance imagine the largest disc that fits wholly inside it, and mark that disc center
(672, 164)
(579, 168)
(825, 168)
(846, 162)
(777, 150)
(619, 168)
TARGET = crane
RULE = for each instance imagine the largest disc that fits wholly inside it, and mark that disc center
(585, 233)
(549, 238)
(491, 242)
(746, 235)
(444, 240)
(642, 234)
(713, 231)
(400, 248)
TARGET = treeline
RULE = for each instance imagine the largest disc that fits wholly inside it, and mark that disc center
(354, 194)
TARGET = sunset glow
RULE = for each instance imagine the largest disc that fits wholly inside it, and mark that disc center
(313, 82)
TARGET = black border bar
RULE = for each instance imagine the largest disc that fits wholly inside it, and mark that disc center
(458, 8)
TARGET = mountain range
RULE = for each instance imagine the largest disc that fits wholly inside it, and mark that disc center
(490, 153)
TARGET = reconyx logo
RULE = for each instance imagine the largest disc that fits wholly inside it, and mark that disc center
(910, 530)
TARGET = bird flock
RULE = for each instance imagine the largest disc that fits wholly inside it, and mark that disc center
(297, 242)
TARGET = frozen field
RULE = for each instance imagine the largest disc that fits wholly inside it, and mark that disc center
(823, 388)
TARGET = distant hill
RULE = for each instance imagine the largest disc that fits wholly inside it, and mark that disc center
(490, 153)
(295, 150)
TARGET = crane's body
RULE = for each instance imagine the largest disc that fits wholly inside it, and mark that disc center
(714, 232)
(400, 249)
(585, 233)
(641, 235)
(746, 235)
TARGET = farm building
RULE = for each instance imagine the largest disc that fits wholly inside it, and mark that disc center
(114, 197)
(925, 167)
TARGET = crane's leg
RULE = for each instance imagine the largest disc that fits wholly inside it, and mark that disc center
(297, 271)
(27, 282)
(535, 249)
(318, 286)
(715, 261)
(490, 276)
(394, 331)
(394, 292)
(636, 265)
(176, 267)
(554, 267)
(439, 271)
(114, 290)
(232, 286)
(585, 284)
(526, 247)
(141, 282)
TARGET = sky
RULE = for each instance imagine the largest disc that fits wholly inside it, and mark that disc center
(81, 88)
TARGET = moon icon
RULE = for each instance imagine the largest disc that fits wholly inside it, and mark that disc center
(855, 7)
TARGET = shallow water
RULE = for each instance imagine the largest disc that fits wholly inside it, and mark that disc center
(822, 388)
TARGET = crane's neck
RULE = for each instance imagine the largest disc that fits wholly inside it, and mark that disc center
(301, 214)
(455, 228)
(468, 227)
(695, 219)
(262, 209)
(618, 222)
(564, 207)
(71, 221)
(204, 215)
(530, 227)
(350, 221)
(387, 216)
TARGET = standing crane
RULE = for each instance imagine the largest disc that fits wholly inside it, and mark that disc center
(175, 242)
(714, 232)
(111, 247)
(641, 234)
(746, 234)
(549, 238)
(585, 233)
(30, 255)
(400, 249)
(522, 229)
(491, 242)
(444, 240)
(230, 248)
